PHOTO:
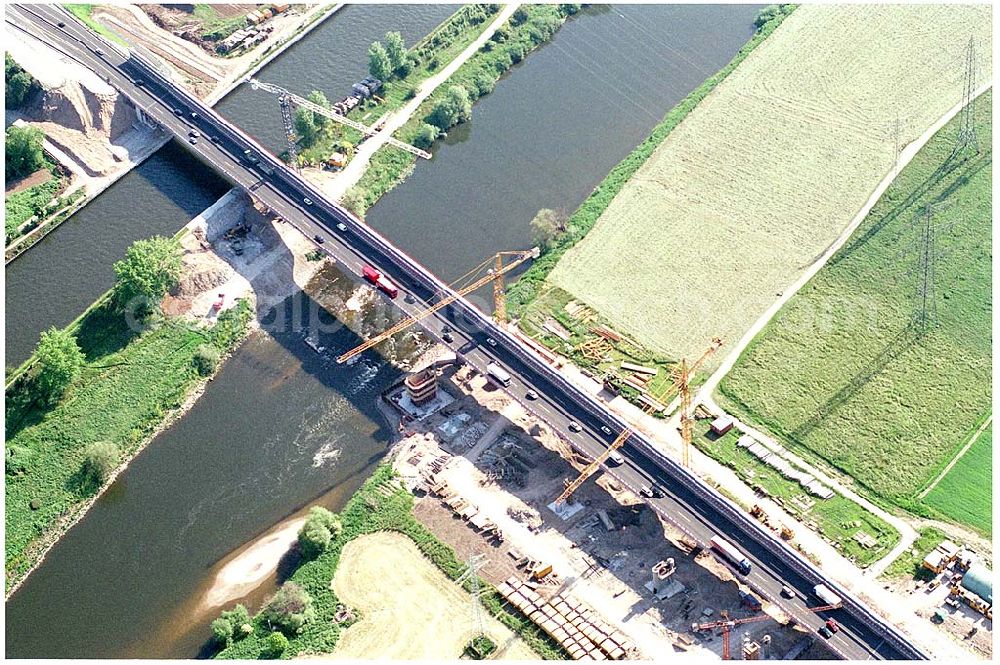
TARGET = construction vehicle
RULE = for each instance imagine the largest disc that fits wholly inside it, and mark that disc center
(681, 383)
(491, 276)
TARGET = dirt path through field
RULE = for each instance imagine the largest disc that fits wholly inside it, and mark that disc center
(961, 453)
(409, 609)
(705, 397)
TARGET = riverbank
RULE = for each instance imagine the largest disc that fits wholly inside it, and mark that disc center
(380, 505)
(42, 499)
(335, 186)
(528, 28)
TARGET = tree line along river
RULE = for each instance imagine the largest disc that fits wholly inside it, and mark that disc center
(282, 427)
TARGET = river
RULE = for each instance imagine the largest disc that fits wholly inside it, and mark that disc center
(128, 579)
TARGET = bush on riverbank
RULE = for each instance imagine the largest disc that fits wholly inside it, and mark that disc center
(477, 76)
(526, 288)
(59, 362)
(316, 534)
(371, 510)
(128, 383)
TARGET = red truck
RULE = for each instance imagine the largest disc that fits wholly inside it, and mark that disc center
(379, 280)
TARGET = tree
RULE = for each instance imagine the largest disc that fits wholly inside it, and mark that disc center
(767, 14)
(548, 225)
(19, 83)
(354, 200)
(23, 147)
(321, 122)
(206, 359)
(222, 631)
(59, 361)
(290, 609)
(275, 645)
(454, 107)
(320, 528)
(379, 64)
(150, 269)
(306, 125)
(232, 624)
(99, 460)
(425, 136)
(395, 48)
(519, 16)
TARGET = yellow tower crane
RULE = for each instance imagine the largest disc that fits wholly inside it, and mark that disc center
(680, 382)
(495, 276)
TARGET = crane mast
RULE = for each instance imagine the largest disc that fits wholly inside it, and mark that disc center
(444, 302)
(344, 120)
(681, 379)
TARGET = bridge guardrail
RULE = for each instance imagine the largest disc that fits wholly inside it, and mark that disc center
(597, 410)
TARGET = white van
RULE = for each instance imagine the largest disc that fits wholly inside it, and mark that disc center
(498, 374)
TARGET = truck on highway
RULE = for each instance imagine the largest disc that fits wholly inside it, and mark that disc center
(380, 281)
(498, 374)
(731, 554)
(824, 593)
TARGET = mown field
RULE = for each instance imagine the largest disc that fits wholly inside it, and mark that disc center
(751, 187)
(842, 372)
(422, 615)
(965, 494)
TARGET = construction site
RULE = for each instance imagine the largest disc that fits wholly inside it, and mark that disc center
(607, 579)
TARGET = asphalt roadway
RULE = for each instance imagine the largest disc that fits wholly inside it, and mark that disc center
(223, 147)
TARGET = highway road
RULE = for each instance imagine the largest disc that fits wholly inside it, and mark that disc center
(685, 502)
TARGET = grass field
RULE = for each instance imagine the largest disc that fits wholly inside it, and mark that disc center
(409, 609)
(909, 563)
(751, 187)
(965, 494)
(841, 371)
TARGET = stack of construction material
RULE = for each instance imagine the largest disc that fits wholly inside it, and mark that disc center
(576, 627)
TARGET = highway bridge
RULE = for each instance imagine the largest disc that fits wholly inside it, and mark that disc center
(686, 502)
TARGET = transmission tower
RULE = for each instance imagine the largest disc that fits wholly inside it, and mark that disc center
(286, 120)
(967, 125)
(472, 566)
(925, 248)
(895, 129)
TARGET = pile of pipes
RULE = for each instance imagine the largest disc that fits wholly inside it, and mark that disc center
(574, 625)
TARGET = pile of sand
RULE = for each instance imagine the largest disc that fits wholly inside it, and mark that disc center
(78, 111)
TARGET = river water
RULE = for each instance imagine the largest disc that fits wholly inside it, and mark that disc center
(282, 427)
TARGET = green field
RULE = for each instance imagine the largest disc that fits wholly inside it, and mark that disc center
(128, 384)
(838, 519)
(843, 373)
(965, 494)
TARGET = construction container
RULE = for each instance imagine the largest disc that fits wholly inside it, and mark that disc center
(279, 9)
(722, 425)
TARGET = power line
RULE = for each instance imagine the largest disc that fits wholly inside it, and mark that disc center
(967, 137)
(472, 567)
